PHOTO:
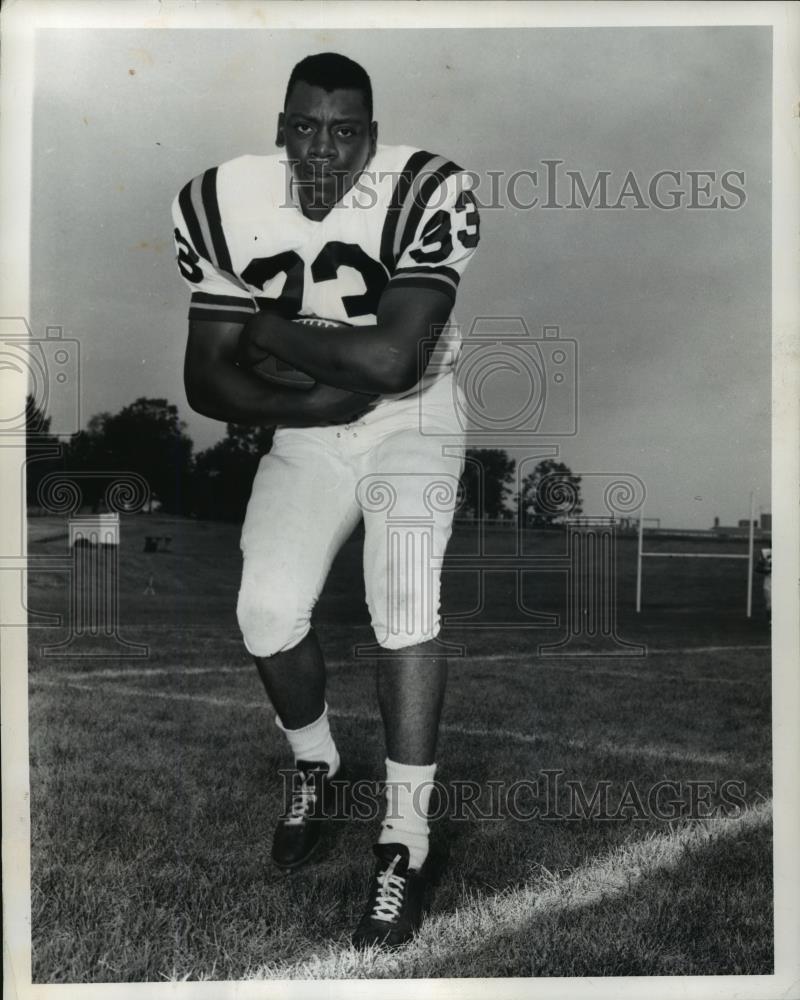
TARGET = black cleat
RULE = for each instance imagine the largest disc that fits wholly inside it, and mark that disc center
(396, 897)
(298, 831)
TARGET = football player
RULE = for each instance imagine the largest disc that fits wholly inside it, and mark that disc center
(375, 238)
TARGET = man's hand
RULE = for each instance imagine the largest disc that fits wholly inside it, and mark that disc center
(248, 349)
(218, 388)
(327, 404)
(384, 358)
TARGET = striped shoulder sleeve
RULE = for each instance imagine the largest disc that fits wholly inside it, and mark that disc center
(432, 225)
(203, 256)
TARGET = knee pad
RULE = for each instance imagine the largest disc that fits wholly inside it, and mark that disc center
(406, 618)
(395, 640)
(270, 621)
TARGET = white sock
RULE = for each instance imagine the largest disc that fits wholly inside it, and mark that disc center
(408, 793)
(313, 742)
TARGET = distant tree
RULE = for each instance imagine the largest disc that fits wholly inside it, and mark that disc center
(488, 473)
(223, 474)
(253, 440)
(549, 494)
(88, 451)
(146, 437)
(44, 451)
(36, 420)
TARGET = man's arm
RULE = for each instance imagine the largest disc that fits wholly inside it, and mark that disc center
(384, 358)
(218, 388)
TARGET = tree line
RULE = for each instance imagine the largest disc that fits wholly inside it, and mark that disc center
(148, 437)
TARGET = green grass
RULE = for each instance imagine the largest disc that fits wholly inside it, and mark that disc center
(651, 907)
(154, 788)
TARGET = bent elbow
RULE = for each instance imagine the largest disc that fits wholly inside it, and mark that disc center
(196, 397)
(192, 396)
(197, 406)
(401, 381)
(397, 376)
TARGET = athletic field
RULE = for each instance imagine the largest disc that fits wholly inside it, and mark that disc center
(622, 824)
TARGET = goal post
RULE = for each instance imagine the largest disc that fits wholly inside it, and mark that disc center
(641, 555)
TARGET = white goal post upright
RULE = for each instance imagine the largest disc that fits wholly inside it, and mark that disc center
(641, 554)
(750, 557)
(639, 560)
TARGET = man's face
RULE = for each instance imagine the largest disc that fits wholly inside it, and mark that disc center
(329, 138)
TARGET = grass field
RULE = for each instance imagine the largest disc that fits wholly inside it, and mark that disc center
(155, 785)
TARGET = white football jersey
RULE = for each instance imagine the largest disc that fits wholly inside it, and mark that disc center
(243, 244)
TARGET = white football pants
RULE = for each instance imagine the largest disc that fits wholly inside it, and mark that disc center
(398, 468)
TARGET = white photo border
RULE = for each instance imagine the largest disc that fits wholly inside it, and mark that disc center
(20, 22)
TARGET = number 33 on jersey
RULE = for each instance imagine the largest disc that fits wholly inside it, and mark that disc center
(243, 243)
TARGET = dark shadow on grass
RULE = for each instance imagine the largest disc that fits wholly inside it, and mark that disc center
(709, 915)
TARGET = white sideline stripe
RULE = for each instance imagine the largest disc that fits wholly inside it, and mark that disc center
(236, 639)
(658, 678)
(614, 749)
(177, 672)
(679, 650)
(512, 911)
(544, 663)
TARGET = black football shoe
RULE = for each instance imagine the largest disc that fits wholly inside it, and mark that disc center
(298, 831)
(396, 898)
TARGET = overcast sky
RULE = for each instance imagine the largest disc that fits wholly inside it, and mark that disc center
(670, 309)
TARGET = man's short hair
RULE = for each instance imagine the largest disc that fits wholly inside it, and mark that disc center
(332, 71)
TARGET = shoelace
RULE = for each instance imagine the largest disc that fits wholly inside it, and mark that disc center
(390, 894)
(304, 796)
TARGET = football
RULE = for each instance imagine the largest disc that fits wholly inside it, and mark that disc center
(278, 372)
